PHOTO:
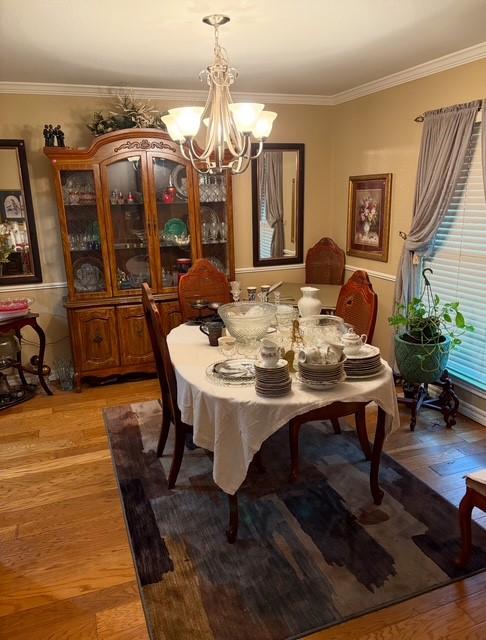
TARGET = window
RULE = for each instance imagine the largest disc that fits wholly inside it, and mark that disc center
(459, 264)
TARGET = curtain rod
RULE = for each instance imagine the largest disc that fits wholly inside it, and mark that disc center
(420, 118)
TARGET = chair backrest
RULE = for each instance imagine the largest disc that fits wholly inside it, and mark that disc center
(165, 369)
(324, 263)
(202, 281)
(358, 304)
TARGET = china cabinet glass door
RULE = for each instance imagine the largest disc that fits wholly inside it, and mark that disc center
(214, 221)
(172, 187)
(128, 224)
(83, 231)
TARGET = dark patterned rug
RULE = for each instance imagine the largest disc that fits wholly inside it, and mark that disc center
(308, 555)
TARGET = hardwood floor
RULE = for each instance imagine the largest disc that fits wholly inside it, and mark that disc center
(66, 571)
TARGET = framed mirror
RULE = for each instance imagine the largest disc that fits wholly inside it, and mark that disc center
(278, 204)
(19, 253)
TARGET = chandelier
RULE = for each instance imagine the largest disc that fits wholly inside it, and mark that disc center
(229, 125)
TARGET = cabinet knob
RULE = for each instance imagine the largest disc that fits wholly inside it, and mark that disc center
(97, 339)
(140, 331)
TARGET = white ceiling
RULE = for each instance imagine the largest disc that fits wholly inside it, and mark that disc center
(313, 47)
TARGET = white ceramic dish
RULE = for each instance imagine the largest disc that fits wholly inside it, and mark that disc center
(319, 386)
(367, 376)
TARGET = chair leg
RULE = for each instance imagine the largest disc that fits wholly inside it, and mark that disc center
(180, 440)
(465, 512)
(360, 418)
(294, 429)
(336, 426)
(232, 531)
(164, 430)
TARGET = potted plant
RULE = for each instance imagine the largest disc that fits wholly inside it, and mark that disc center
(427, 330)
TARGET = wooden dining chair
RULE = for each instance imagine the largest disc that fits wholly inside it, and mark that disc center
(205, 282)
(357, 304)
(324, 263)
(168, 386)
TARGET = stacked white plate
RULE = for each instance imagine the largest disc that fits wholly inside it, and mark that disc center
(320, 376)
(364, 364)
(272, 382)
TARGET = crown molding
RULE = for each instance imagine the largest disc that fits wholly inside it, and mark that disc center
(449, 61)
(183, 95)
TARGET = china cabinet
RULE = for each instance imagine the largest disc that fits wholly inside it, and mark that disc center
(132, 210)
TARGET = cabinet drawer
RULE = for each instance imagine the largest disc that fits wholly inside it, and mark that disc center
(95, 338)
(133, 337)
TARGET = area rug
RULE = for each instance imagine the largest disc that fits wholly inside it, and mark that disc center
(308, 555)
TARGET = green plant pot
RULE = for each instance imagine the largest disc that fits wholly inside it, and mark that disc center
(421, 362)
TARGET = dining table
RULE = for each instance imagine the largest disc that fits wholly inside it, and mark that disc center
(233, 421)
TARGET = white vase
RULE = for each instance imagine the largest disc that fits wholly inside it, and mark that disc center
(309, 304)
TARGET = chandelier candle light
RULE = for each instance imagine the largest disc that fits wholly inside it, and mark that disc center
(229, 125)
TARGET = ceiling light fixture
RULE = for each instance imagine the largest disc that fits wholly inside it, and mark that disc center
(229, 125)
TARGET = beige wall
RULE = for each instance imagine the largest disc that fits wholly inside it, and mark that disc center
(377, 134)
(374, 134)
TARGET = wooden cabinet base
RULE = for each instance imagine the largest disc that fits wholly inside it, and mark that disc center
(109, 338)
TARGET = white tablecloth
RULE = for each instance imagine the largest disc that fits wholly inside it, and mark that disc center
(233, 422)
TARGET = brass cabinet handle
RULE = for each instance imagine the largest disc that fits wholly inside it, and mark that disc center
(97, 339)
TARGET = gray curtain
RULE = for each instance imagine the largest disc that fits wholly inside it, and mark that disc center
(445, 137)
(270, 177)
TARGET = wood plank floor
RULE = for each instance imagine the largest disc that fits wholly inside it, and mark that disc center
(66, 571)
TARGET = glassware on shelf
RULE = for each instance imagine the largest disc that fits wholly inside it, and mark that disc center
(223, 231)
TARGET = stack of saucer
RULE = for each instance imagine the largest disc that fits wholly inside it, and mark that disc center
(319, 375)
(272, 382)
(364, 364)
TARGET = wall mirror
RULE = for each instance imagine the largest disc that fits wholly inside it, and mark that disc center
(19, 253)
(278, 204)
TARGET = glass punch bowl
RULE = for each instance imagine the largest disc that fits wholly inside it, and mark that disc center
(247, 321)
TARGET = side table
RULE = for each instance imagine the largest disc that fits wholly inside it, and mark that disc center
(417, 395)
(36, 367)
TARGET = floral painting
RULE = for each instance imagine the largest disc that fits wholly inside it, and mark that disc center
(369, 216)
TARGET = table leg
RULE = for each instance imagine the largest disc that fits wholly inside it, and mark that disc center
(376, 492)
(19, 358)
(360, 418)
(40, 362)
(232, 530)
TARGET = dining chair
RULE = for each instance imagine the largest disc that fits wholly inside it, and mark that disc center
(357, 304)
(168, 386)
(324, 263)
(203, 281)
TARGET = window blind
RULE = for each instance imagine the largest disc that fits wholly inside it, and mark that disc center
(458, 261)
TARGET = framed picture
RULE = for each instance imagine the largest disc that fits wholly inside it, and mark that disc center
(369, 203)
(11, 205)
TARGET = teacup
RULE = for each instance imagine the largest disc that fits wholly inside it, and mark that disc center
(311, 355)
(227, 346)
(269, 353)
(213, 330)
